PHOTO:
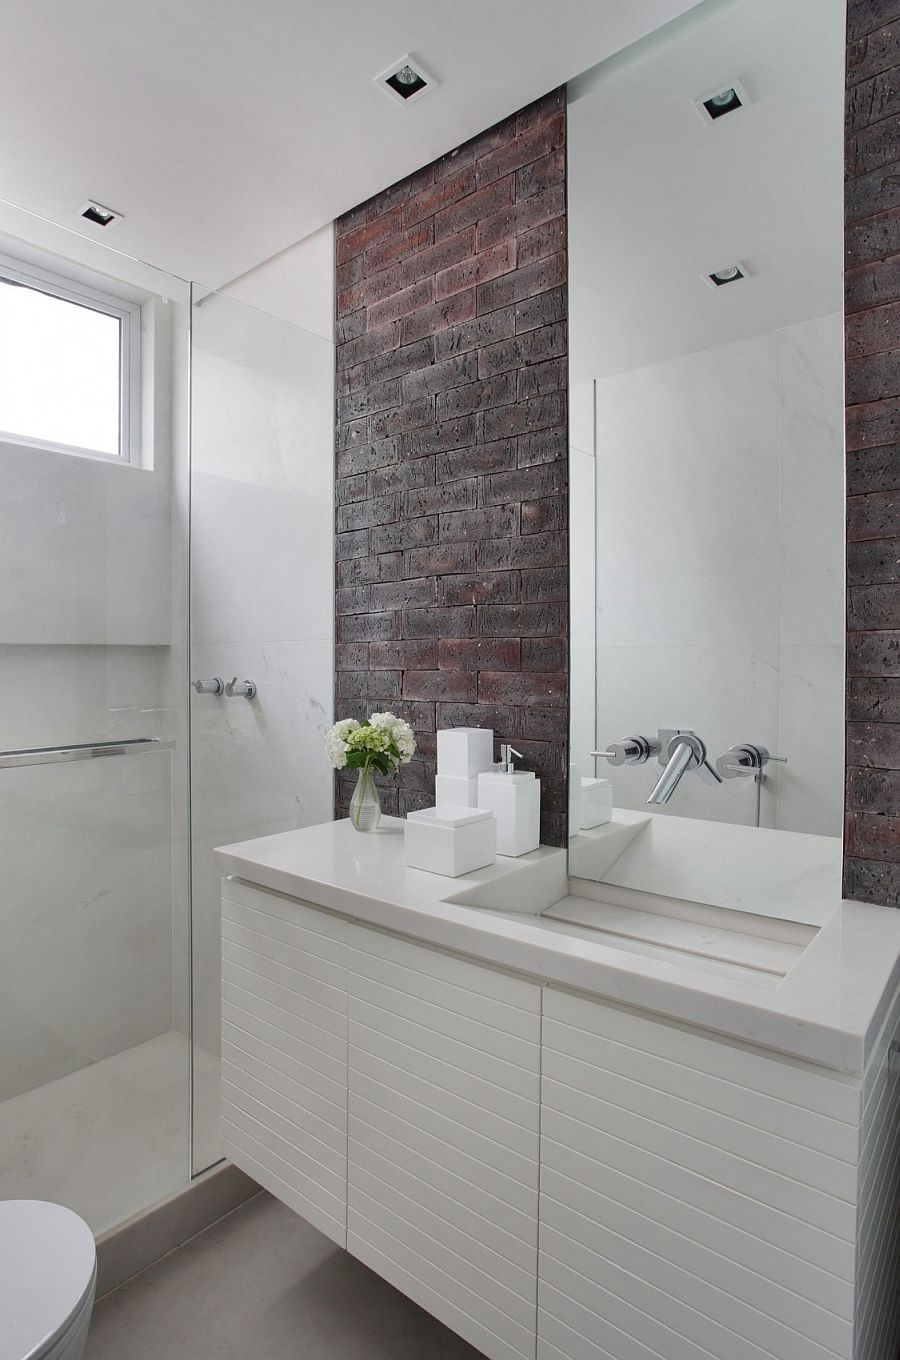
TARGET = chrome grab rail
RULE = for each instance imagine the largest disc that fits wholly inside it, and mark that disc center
(91, 750)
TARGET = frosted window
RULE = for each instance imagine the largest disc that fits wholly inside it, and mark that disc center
(59, 371)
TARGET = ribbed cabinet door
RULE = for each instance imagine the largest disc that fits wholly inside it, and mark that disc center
(697, 1197)
(284, 1051)
(443, 1136)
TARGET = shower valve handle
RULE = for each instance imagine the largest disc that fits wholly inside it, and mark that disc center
(213, 686)
(240, 688)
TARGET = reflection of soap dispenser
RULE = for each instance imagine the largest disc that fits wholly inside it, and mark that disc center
(514, 797)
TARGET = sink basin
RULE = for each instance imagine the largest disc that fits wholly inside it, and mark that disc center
(690, 933)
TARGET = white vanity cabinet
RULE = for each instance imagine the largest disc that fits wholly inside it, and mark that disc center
(697, 1197)
(284, 1051)
(444, 1072)
(555, 1176)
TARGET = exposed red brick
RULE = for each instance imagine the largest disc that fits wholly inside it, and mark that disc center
(489, 587)
(534, 143)
(451, 571)
(522, 216)
(549, 170)
(521, 687)
(398, 248)
(400, 304)
(483, 654)
(364, 237)
(488, 264)
(444, 192)
(426, 263)
(369, 290)
(458, 685)
(475, 207)
(449, 312)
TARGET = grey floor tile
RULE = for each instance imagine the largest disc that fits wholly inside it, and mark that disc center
(263, 1285)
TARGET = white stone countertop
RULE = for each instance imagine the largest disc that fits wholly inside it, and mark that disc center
(828, 1009)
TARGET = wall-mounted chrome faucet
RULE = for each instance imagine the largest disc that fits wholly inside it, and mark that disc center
(214, 686)
(681, 752)
(629, 751)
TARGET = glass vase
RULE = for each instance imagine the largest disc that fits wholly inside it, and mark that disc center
(365, 805)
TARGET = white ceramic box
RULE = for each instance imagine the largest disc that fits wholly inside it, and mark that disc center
(450, 840)
(464, 752)
(452, 790)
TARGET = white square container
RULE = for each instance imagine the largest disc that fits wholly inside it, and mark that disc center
(465, 752)
(515, 800)
(450, 840)
(596, 803)
(451, 790)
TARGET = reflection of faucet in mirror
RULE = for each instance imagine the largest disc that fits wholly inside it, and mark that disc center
(745, 759)
(684, 751)
(629, 751)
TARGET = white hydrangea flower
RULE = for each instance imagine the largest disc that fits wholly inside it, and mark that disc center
(401, 734)
(336, 739)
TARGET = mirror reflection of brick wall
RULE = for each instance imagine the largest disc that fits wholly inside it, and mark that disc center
(872, 293)
(452, 454)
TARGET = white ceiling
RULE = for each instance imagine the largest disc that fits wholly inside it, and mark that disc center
(658, 197)
(226, 131)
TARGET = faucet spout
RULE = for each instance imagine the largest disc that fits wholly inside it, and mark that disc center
(684, 752)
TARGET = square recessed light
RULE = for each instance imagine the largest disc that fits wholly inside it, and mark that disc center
(728, 274)
(728, 98)
(98, 215)
(406, 80)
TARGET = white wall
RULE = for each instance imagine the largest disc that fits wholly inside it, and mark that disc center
(720, 512)
(90, 899)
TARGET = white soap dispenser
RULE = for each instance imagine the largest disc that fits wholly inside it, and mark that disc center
(514, 797)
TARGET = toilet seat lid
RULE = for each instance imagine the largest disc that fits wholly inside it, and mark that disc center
(47, 1260)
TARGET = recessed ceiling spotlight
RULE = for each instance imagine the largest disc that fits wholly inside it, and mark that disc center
(726, 99)
(730, 274)
(406, 80)
(100, 216)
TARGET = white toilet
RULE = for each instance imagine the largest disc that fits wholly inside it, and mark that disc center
(48, 1272)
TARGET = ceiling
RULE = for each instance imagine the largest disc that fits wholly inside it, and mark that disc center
(659, 197)
(224, 131)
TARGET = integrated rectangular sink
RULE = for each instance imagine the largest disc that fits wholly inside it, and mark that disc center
(691, 933)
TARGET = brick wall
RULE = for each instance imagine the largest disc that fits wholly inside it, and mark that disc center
(872, 291)
(451, 454)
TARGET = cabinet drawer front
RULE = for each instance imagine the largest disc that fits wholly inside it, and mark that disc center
(284, 1052)
(444, 1129)
(674, 1224)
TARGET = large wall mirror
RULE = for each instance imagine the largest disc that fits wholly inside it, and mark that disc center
(707, 463)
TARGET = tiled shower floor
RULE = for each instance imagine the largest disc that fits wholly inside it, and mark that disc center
(107, 1140)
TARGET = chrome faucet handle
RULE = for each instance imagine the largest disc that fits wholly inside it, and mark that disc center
(214, 686)
(629, 751)
(745, 759)
(245, 689)
(684, 751)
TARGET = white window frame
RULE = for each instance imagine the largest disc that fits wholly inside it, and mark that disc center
(128, 313)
